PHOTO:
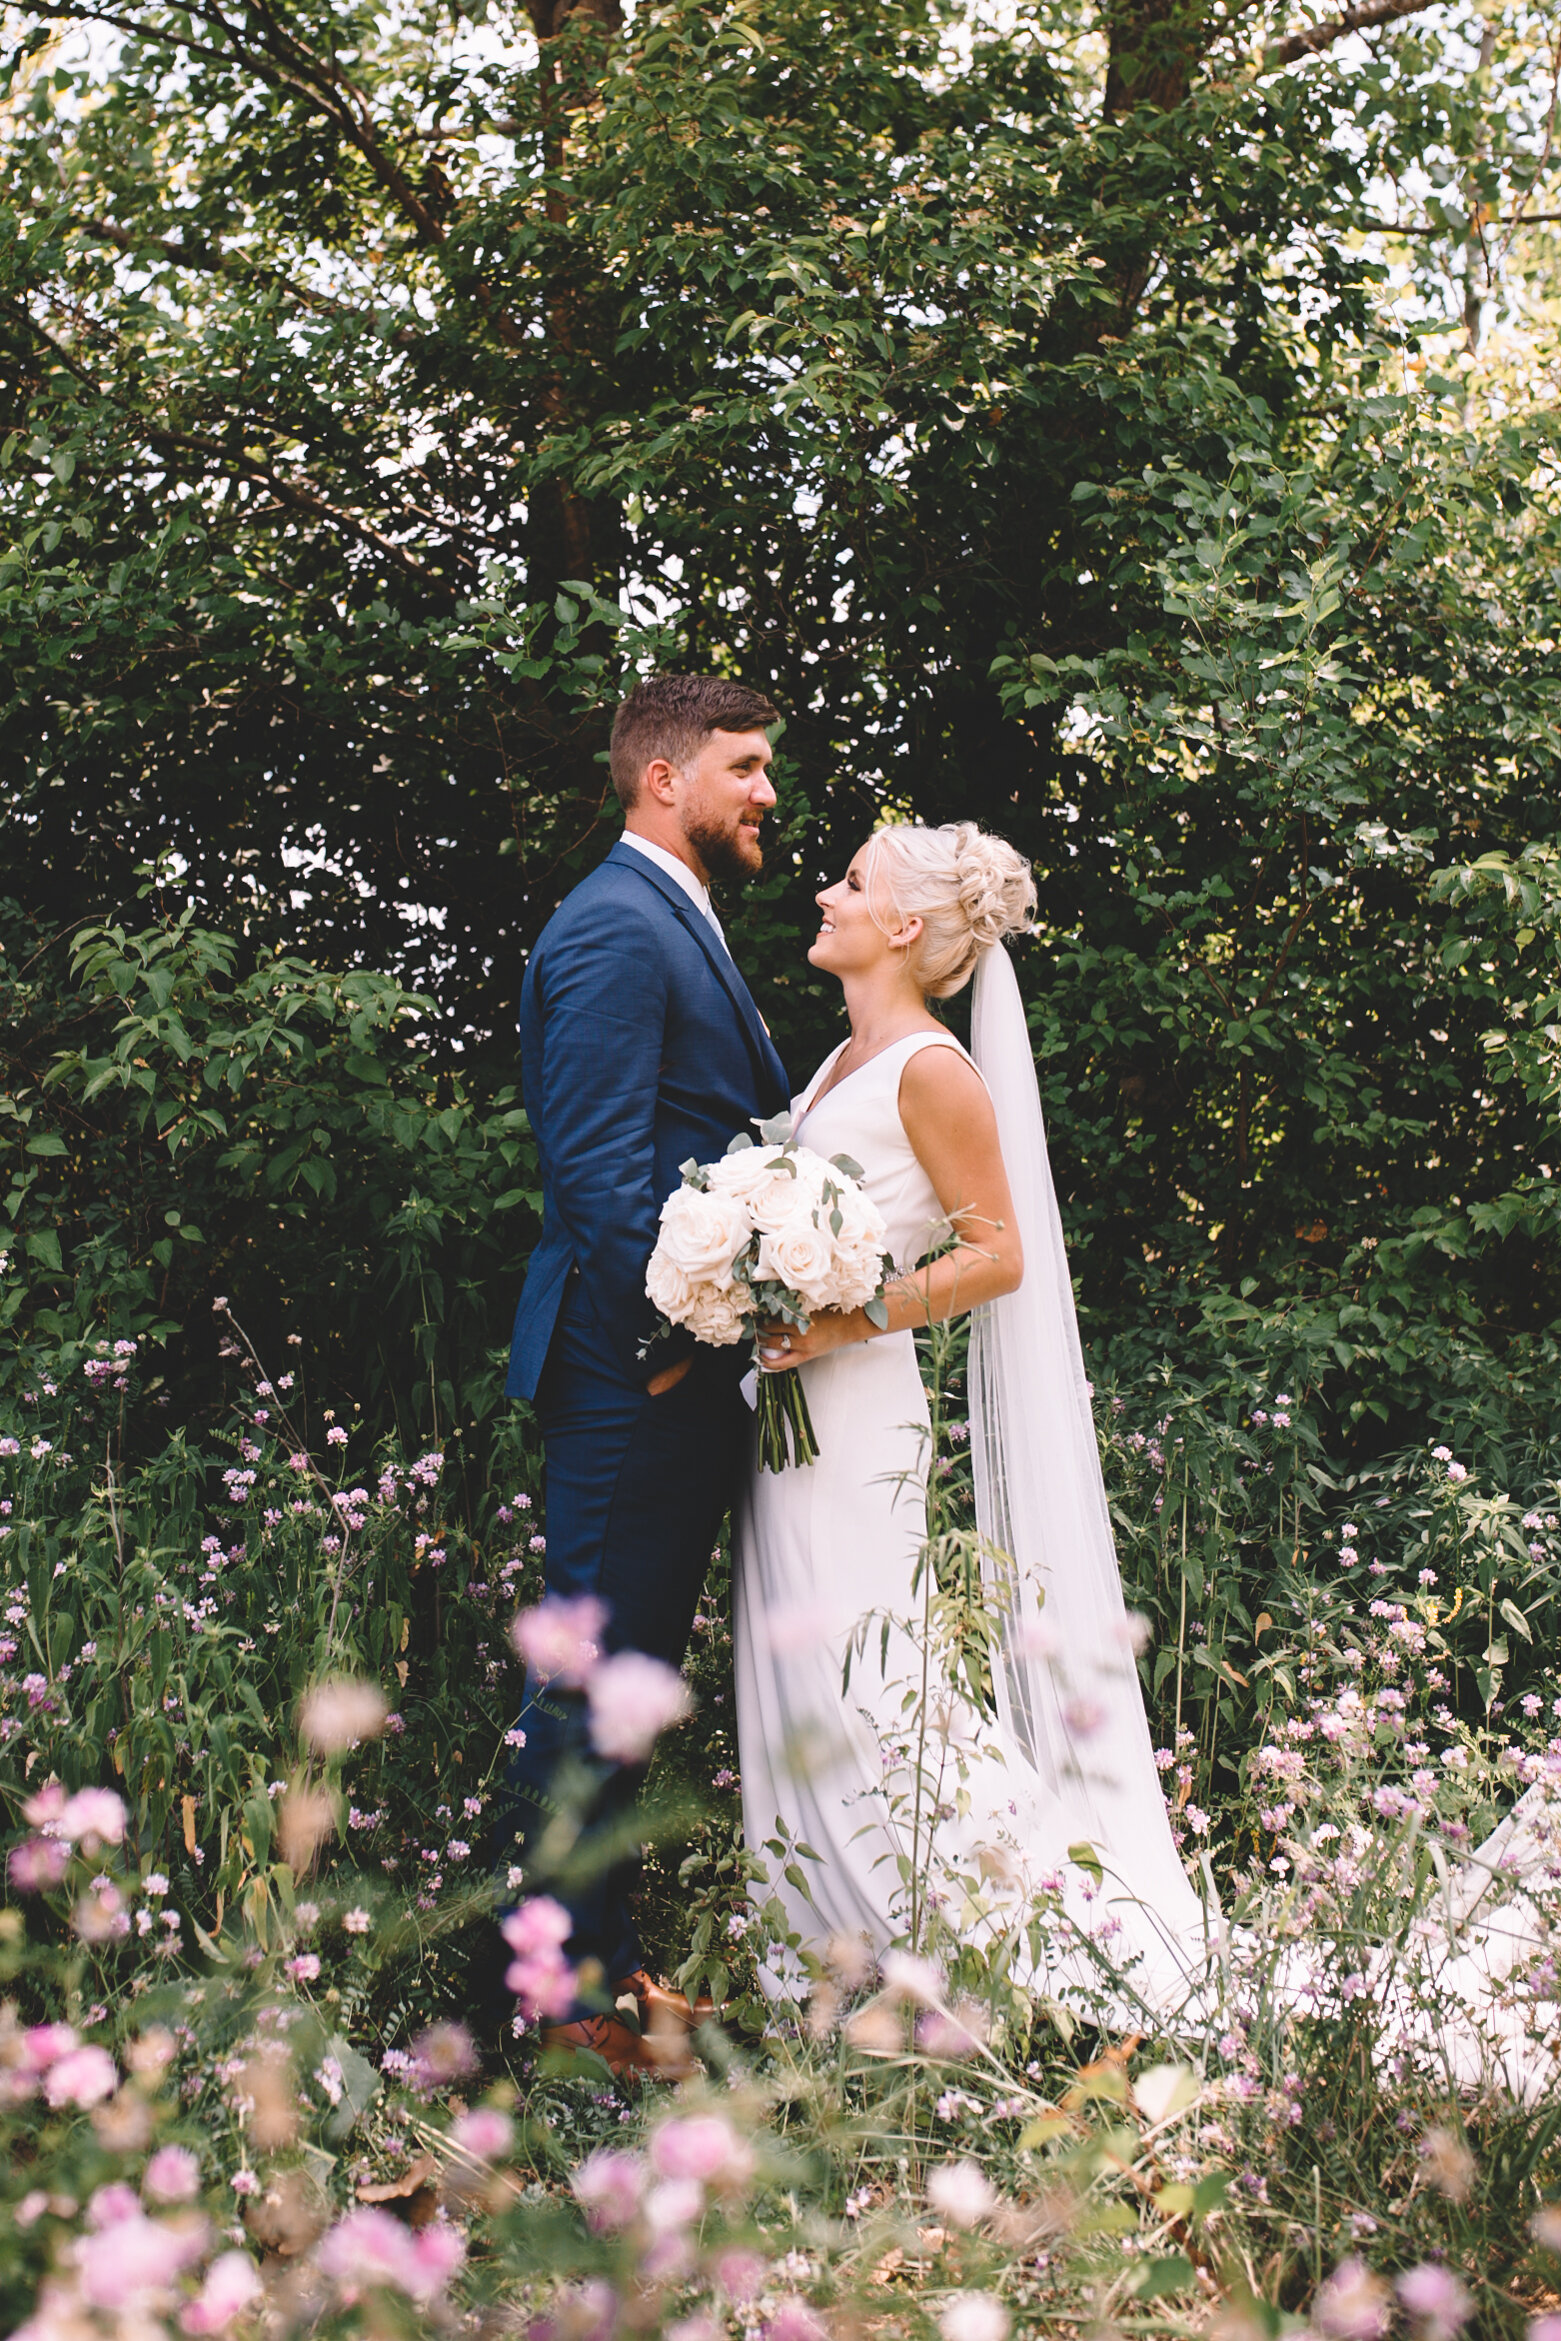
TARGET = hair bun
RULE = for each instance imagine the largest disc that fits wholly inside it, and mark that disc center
(996, 889)
(969, 890)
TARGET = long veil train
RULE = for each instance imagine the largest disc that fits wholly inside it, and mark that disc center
(1067, 1687)
(1070, 1707)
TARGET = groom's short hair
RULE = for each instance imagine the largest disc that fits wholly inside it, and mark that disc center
(673, 716)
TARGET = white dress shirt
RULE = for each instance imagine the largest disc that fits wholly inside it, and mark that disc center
(681, 875)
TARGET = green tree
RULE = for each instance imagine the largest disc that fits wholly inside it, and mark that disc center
(375, 392)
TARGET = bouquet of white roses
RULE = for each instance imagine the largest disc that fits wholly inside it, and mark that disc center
(770, 1233)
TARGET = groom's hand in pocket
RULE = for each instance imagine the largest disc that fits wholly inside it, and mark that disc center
(668, 1378)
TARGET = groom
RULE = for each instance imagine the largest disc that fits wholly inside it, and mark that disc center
(640, 1048)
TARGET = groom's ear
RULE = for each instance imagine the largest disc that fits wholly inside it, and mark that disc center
(657, 780)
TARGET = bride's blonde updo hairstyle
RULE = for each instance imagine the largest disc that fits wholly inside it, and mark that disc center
(968, 889)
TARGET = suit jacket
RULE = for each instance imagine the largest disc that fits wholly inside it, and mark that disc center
(640, 1047)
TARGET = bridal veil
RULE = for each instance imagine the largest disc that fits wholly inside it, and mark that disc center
(1067, 1689)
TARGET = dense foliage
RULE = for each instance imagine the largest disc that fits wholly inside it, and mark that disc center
(1131, 428)
(1121, 430)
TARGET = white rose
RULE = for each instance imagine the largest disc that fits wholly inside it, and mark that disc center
(858, 1273)
(800, 1255)
(767, 1195)
(701, 1234)
(716, 1317)
(668, 1287)
(736, 1173)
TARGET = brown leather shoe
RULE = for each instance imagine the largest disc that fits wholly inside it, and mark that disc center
(621, 2049)
(660, 2006)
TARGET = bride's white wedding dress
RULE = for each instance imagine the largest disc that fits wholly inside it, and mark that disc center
(823, 1549)
(826, 1557)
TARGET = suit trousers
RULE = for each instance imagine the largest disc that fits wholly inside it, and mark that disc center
(635, 1490)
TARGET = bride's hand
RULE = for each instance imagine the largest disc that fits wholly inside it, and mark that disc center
(783, 1346)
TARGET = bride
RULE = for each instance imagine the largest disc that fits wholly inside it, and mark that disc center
(1058, 1793)
(1049, 1797)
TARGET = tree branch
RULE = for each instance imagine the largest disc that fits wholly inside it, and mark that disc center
(240, 466)
(279, 58)
(1323, 36)
(214, 261)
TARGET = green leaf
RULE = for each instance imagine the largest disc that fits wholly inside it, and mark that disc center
(1210, 2192)
(1174, 2273)
(1515, 1618)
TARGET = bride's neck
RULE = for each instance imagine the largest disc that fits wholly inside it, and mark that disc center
(883, 1006)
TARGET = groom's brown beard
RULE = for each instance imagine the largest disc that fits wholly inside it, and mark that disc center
(723, 852)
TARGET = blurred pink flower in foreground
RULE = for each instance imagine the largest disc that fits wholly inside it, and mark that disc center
(172, 2176)
(101, 1915)
(973, 2316)
(442, 2054)
(485, 2132)
(911, 1978)
(540, 1976)
(370, 2250)
(957, 2032)
(702, 2146)
(1353, 2305)
(83, 2076)
(793, 2320)
(560, 1640)
(633, 1698)
(740, 2275)
(37, 1864)
(609, 2185)
(92, 1817)
(118, 2200)
(135, 2261)
(232, 2283)
(1437, 2301)
(338, 1714)
(962, 2192)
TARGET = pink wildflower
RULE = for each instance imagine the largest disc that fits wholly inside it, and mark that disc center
(940, 2033)
(559, 1640)
(793, 2320)
(609, 2185)
(1353, 2305)
(37, 1864)
(135, 2261)
(93, 1817)
(370, 2250)
(82, 2077)
(232, 2283)
(1435, 2298)
(172, 2176)
(540, 1976)
(442, 2054)
(485, 2132)
(911, 1978)
(110, 2204)
(633, 1699)
(703, 2146)
(339, 1713)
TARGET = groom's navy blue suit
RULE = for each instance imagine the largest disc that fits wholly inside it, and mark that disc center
(640, 1048)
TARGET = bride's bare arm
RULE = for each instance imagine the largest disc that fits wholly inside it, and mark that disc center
(949, 1121)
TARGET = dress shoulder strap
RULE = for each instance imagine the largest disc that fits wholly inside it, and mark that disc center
(914, 1042)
